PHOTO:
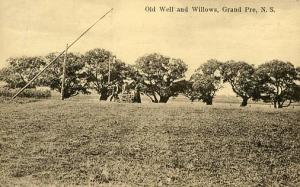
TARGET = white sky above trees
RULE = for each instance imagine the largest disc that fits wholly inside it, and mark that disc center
(37, 27)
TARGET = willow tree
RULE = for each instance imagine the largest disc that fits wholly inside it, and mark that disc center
(102, 74)
(206, 81)
(240, 75)
(21, 70)
(75, 75)
(160, 76)
(277, 83)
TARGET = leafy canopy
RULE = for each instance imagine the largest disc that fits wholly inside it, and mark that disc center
(240, 75)
(160, 76)
(206, 81)
(21, 70)
(277, 82)
(97, 70)
(75, 75)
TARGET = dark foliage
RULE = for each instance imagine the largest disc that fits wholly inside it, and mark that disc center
(206, 81)
(21, 70)
(160, 76)
(97, 70)
(240, 75)
(75, 75)
(277, 83)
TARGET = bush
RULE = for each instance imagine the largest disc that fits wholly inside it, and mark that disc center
(30, 93)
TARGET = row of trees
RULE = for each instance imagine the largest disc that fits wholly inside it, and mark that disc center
(274, 81)
(158, 77)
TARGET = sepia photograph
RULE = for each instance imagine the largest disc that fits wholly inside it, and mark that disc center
(150, 93)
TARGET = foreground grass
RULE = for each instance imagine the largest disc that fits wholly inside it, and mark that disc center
(86, 143)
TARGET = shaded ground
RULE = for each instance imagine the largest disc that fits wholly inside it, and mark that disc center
(87, 142)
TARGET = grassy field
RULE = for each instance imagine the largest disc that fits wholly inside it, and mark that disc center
(84, 142)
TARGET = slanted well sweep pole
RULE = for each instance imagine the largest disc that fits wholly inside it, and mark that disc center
(61, 53)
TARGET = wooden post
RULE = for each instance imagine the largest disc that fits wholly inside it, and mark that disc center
(108, 81)
(78, 38)
(113, 61)
(64, 74)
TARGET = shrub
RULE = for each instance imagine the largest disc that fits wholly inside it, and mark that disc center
(30, 93)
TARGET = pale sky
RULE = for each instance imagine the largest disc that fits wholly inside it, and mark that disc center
(37, 27)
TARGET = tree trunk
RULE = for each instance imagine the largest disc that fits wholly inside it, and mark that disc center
(244, 102)
(154, 100)
(275, 104)
(137, 97)
(164, 99)
(104, 94)
(103, 97)
(114, 97)
(209, 101)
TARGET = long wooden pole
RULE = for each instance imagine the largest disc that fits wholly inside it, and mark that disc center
(64, 75)
(108, 81)
(109, 67)
(36, 76)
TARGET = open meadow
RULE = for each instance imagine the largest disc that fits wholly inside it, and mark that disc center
(85, 142)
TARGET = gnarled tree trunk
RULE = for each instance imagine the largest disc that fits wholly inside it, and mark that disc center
(209, 101)
(104, 94)
(244, 102)
(164, 99)
(137, 97)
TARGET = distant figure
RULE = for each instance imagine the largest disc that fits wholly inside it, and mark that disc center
(115, 91)
(125, 88)
(137, 94)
